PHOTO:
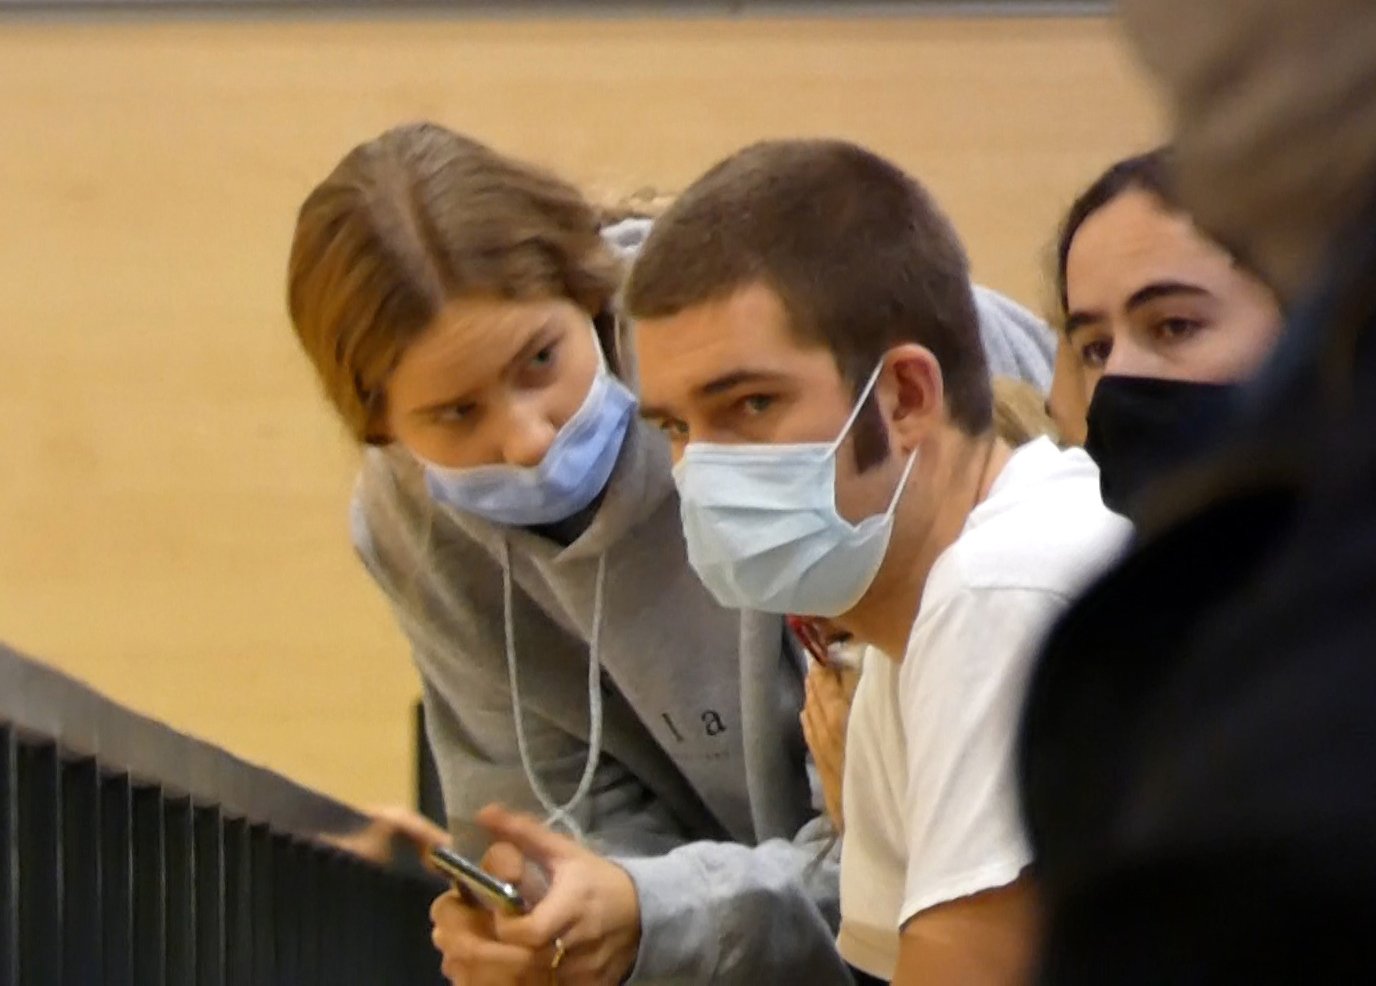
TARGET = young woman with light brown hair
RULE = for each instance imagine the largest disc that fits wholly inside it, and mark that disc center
(458, 307)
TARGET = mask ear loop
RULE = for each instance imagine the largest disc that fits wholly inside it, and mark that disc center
(902, 483)
(850, 423)
(859, 404)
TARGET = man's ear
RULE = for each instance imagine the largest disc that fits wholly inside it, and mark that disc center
(912, 387)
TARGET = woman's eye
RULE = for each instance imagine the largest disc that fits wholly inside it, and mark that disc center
(1176, 329)
(1095, 354)
(757, 403)
(545, 357)
(456, 412)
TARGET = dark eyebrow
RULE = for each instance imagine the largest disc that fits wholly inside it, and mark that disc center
(719, 385)
(1164, 289)
(539, 339)
(734, 379)
(1076, 321)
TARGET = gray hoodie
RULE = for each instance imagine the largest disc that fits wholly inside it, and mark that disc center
(701, 791)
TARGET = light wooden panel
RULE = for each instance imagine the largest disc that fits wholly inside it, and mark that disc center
(172, 495)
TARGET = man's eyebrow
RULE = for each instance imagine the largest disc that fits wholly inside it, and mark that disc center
(717, 385)
(734, 379)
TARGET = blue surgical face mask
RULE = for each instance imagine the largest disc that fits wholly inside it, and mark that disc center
(573, 472)
(762, 528)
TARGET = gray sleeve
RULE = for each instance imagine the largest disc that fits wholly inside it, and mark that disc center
(716, 912)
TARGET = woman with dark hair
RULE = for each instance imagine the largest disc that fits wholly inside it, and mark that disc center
(1197, 752)
(1159, 319)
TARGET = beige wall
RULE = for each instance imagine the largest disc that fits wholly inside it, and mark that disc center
(172, 493)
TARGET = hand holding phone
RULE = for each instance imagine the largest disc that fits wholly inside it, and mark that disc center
(476, 884)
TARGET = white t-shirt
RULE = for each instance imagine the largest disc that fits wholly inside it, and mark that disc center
(929, 795)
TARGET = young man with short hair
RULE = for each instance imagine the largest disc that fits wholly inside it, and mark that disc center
(808, 341)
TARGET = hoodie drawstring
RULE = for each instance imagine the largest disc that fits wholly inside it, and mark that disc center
(558, 815)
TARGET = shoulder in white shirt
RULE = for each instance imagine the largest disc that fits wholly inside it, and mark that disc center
(929, 795)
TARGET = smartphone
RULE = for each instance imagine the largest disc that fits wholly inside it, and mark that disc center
(476, 884)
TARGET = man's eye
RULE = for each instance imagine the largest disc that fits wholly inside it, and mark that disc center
(676, 430)
(1095, 354)
(757, 403)
(545, 357)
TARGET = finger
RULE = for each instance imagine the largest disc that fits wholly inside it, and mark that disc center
(818, 738)
(450, 907)
(831, 704)
(827, 758)
(462, 973)
(825, 683)
(528, 835)
(553, 918)
(463, 935)
(850, 680)
(813, 737)
(411, 826)
(464, 948)
(542, 972)
(835, 711)
(505, 862)
(456, 922)
(812, 698)
(373, 842)
(586, 964)
(816, 723)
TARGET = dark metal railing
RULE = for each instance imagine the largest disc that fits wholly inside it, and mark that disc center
(132, 855)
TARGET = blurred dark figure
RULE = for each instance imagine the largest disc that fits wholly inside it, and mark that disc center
(1199, 748)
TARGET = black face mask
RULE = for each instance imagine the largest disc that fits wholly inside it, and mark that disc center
(1141, 428)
